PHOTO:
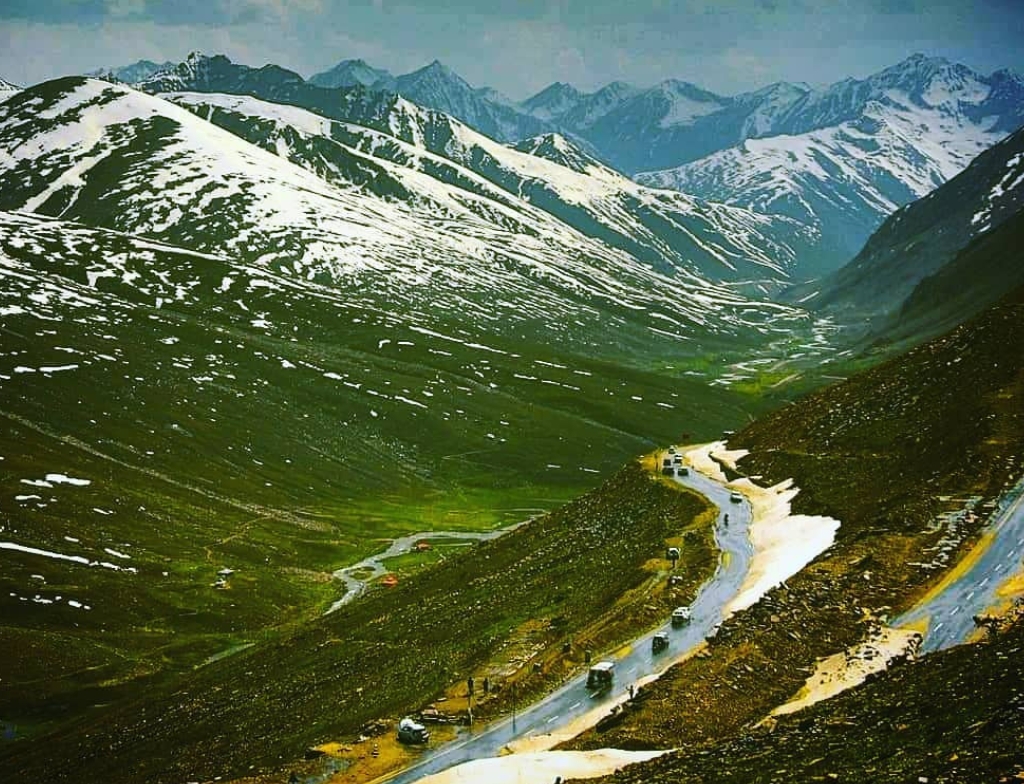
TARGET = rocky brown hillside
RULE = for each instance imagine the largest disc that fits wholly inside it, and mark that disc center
(885, 452)
(953, 717)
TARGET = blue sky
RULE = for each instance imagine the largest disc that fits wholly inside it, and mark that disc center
(520, 46)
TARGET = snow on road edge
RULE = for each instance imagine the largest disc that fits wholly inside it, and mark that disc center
(517, 768)
(783, 543)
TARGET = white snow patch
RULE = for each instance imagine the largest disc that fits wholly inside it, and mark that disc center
(541, 766)
(844, 670)
(783, 543)
(57, 368)
(64, 479)
(62, 557)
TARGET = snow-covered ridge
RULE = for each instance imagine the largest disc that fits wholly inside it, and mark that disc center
(453, 246)
(7, 90)
(554, 175)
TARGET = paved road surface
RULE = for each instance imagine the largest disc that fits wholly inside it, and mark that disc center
(949, 614)
(637, 661)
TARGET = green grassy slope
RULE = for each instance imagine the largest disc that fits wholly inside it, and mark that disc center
(396, 649)
(283, 449)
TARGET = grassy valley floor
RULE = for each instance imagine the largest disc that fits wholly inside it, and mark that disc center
(591, 574)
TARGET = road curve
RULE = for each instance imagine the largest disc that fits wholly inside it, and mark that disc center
(373, 566)
(632, 662)
(972, 586)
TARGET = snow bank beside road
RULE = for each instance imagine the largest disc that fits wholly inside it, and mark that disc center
(846, 669)
(783, 543)
(545, 766)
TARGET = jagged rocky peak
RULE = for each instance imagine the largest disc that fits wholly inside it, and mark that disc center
(435, 71)
(555, 147)
(349, 73)
(217, 73)
(435, 84)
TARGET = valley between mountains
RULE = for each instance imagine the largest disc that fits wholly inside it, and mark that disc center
(255, 329)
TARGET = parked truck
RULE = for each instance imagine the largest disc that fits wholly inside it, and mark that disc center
(410, 731)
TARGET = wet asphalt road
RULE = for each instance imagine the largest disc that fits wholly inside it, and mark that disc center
(950, 613)
(632, 662)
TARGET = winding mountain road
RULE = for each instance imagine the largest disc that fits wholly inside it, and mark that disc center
(972, 586)
(632, 662)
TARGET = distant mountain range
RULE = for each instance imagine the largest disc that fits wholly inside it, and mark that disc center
(846, 158)
(838, 159)
(670, 232)
(940, 259)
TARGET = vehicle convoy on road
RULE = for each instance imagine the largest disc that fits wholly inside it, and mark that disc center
(736, 497)
(632, 663)
(680, 615)
(659, 642)
(601, 676)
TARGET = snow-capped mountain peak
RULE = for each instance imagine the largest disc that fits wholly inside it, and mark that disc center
(682, 102)
(553, 101)
(133, 73)
(349, 73)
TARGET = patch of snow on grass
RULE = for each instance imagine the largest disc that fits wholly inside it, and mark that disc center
(20, 548)
(64, 479)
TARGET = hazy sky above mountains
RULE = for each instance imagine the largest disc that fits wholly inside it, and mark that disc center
(520, 46)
